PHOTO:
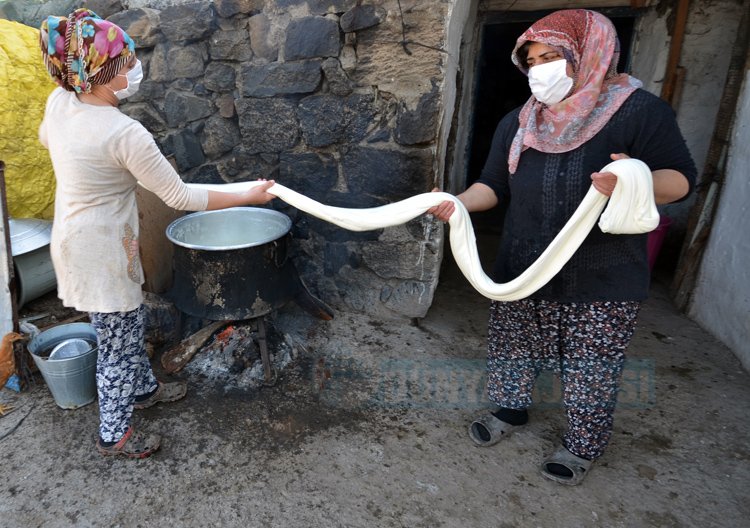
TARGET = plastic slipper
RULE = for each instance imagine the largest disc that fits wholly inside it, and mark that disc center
(488, 430)
(133, 444)
(165, 392)
(563, 461)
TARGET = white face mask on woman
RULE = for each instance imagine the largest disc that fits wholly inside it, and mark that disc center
(134, 77)
(549, 82)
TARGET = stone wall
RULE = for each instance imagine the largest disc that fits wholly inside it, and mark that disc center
(337, 99)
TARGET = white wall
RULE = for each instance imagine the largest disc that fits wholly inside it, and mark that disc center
(709, 37)
(721, 300)
(650, 51)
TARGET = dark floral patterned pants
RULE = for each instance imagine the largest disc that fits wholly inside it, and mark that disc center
(584, 342)
(123, 370)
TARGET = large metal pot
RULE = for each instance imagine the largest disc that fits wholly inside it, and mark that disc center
(232, 264)
(29, 241)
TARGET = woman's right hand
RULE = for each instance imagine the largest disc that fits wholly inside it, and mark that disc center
(255, 195)
(443, 210)
(258, 195)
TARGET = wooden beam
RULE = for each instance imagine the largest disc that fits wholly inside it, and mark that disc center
(9, 311)
(675, 50)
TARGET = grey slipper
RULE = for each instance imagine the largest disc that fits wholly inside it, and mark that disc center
(487, 430)
(578, 466)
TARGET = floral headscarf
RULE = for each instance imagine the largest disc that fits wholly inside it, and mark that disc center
(588, 41)
(82, 49)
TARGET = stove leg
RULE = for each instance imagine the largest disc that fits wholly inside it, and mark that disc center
(270, 378)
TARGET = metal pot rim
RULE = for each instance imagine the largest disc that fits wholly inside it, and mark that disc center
(285, 221)
(28, 234)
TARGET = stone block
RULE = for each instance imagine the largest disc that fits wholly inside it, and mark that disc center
(336, 256)
(205, 174)
(231, 45)
(267, 125)
(268, 80)
(146, 115)
(410, 298)
(185, 146)
(219, 136)
(262, 40)
(308, 172)
(220, 77)
(229, 8)
(338, 82)
(348, 58)
(381, 135)
(391, 175)
(141, 24)
(170, 62)
(187, 22)
(149, 91)
(243, 165)
(182, 108)
(421, 124)
(162, 320)
(397, 260)
(225, 104)
(361, 17)
(327, 119)
(320, 7)
(187, 62)
(311, 37)
(106, 8)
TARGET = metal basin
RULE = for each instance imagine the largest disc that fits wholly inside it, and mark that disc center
(235, 228)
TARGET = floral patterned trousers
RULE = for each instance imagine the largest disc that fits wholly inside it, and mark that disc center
(584, 342)
(123, 370)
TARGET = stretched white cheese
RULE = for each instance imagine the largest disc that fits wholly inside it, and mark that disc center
(631, 210)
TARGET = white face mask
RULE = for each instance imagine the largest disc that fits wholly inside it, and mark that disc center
(549, 82)
(134, 77)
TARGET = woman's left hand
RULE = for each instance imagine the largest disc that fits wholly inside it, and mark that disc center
(605, 182)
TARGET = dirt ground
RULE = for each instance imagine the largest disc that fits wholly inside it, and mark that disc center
(368, 427)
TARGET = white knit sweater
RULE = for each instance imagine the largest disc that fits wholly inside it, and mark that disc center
(99, 155)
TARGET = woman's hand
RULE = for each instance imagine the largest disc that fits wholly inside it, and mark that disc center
(443, 210)
(605, 182)
(258, 195)
(478, 197)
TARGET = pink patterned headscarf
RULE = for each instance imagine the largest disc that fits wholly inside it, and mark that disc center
(588, 41)
(82, 49)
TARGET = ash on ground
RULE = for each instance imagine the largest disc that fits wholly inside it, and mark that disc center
(231, 358)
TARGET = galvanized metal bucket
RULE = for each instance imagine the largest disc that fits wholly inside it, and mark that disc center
(72, 380)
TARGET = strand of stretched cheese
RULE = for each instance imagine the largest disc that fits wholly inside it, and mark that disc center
(631, 210)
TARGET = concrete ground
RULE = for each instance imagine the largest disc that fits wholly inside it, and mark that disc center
(367, 427)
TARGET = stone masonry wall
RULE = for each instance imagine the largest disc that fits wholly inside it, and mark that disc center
(321, 95)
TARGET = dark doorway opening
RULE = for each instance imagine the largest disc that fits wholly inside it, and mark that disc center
(500, 86)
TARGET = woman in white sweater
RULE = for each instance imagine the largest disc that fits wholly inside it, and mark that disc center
(99, 155)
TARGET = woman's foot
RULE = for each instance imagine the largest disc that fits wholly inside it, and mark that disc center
(487, 430)
(566, 468)
(165, 392)
(133, 444)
